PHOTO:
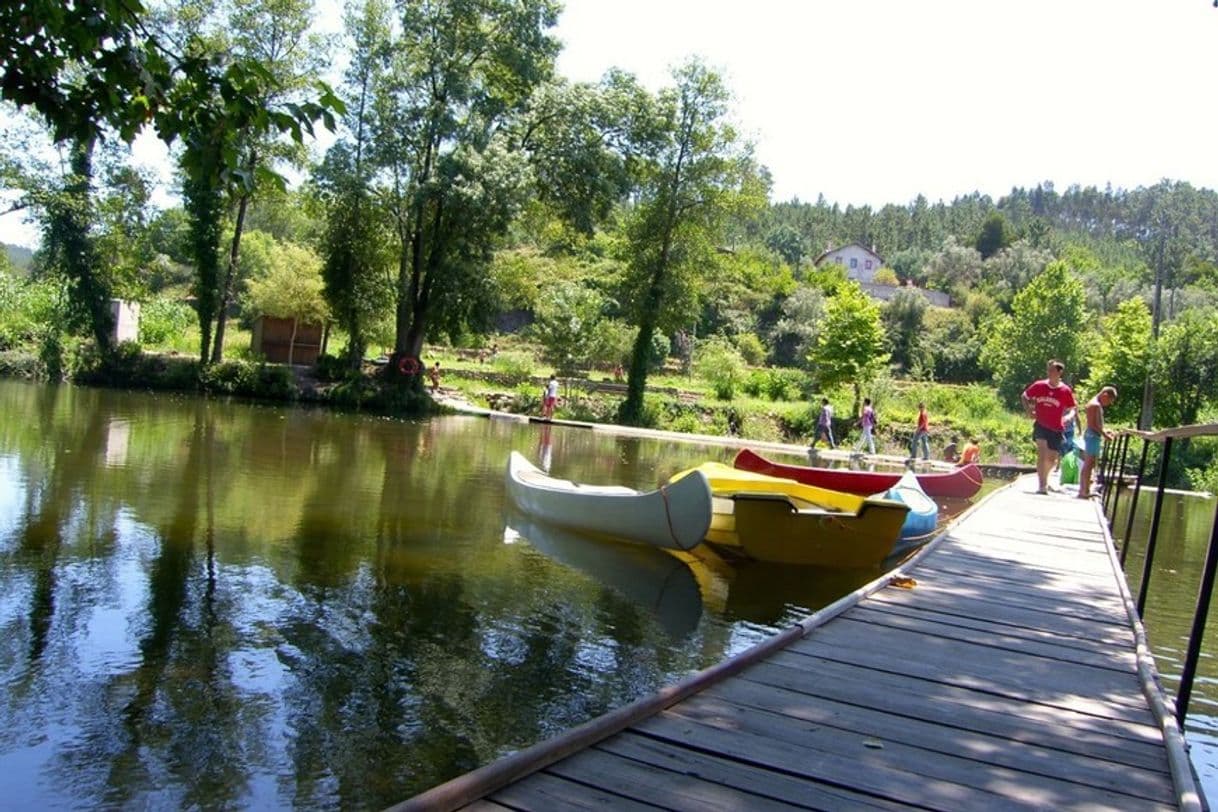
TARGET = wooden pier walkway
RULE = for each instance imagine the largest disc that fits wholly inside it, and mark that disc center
(1002, 668)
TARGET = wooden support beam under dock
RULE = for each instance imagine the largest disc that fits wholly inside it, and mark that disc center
(1002, 668)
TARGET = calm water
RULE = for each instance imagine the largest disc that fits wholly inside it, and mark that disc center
(1184, 533)
(221, 605)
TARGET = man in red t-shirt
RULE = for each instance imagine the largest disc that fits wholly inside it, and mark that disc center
(1047, 400)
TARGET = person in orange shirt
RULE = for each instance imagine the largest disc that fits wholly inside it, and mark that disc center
(971, 452)
(921, 435)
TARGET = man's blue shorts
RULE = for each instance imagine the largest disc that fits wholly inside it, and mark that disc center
(1092, 440)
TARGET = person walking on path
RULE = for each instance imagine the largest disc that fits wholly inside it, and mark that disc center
(550, 398)
(921, 435)
(824, 424)
(434, 374)
(1094, 436)
(867, 423)
(1046, 401)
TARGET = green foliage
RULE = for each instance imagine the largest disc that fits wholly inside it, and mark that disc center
(163, 318)
(611, 344)
(1186, 367)
(954, 346)
(272, 381)
(567, 325)
(750, 348)
(355, 253)
(1120, 357)
(777, 384)
(29, 308)
(850, 345)
(1204, 476)
(517, 366)
(886, 276)
(718, 362)
(285, 281)
(904, 316)
(693, 175)
(994, 236)
(794, 333)
(1047, 321)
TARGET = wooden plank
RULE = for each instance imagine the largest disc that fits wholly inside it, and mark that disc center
(982, 658)
(927, 624)
(979, 556)
(544, 792)
(948, 572)
(1117, 740)
(1150, 784)
(857, 770)
(706, 723)
(767, 783)
(1054, 683)
(1083, 635)
(642, 781)
(993, 601)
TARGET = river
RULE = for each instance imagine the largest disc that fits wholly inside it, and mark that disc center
(215, 604)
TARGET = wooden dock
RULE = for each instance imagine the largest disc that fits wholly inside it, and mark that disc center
(1002, 668)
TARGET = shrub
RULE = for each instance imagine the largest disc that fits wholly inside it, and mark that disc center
(751, 349)
(720, 364)
(162, 319)
(517, 366)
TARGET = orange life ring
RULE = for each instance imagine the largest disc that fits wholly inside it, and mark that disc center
(408, 365)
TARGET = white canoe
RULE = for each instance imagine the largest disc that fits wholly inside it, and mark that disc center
(677, 516)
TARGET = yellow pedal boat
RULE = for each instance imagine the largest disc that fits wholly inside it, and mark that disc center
(783, 521)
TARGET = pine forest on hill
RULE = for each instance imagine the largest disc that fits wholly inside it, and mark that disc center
(471, 195)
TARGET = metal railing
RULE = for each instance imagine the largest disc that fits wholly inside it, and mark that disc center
(1113, 472)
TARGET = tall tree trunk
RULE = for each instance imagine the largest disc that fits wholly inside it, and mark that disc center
(70, 228)
(226, 289)
(1146, 419)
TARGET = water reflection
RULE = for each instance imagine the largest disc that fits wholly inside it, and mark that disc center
(646, 576)
(214, 604)
(1184, 533)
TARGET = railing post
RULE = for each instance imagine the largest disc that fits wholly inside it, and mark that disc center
(1123, 444)
(1153, 537)
(1102, 466)
(1199, 617)
(1133, 506)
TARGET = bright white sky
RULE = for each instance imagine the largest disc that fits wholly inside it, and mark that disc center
(876, 101)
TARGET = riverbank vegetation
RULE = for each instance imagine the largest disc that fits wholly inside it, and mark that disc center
(472, 198)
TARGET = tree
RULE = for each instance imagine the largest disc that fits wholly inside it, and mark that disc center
(1121, 357)
(903, 318)
(994, 236)
(693, 177)
(274, 34)
(1186, 366)
(357, 233)
(954, 269)
(285, 282)
(794, 334)
(1044, 323)
(463, 74)
(850, 345)
(567, 325)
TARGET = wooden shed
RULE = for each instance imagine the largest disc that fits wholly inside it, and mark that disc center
(272, 338)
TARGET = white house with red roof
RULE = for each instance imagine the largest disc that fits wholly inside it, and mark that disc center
(860, 262)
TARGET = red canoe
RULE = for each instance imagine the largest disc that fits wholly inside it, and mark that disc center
(962, 483)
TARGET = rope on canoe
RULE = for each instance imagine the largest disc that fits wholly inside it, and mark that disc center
(668, 516)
